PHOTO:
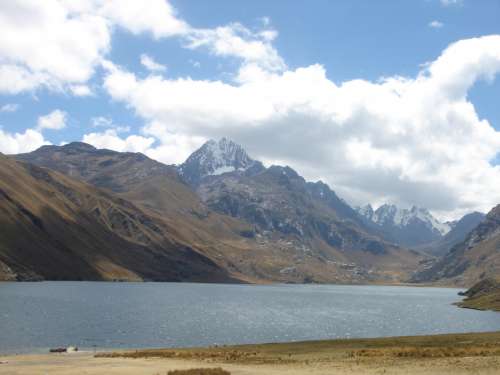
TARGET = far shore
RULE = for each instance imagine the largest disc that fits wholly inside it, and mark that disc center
(448, 354)
(423, 285)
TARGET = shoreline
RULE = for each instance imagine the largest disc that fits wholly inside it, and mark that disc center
(424, 355)
(270, 283)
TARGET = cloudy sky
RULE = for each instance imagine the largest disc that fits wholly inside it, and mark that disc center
(386, 101)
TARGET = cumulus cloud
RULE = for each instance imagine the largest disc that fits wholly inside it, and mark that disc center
(15, 79)
(150, 64)
(55, 120)
(235, 40)
(15, 143)
(436, 24)
(406, 140)
(157, 17)
(81, 90)
(111, 140)
(41, 39)
(38, 43)
(32, 138)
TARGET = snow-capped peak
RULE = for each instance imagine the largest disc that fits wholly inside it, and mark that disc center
(389, 214)
(215, 158)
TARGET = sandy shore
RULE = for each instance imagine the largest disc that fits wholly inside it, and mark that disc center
(444, 354)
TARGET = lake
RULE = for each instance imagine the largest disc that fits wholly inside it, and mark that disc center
(36, 316)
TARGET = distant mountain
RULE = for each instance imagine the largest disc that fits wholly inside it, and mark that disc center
(474, 259)
(460, 229)
(407, 227)
(277, 201)
(249, 222)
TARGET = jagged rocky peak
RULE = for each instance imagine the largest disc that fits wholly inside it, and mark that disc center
(366, 211)
(216, 158)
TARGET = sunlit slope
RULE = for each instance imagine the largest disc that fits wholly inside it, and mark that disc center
(54, 227)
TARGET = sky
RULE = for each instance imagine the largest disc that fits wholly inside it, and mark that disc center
(386, 101)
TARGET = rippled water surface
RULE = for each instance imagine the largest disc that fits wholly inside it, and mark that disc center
(36, 316)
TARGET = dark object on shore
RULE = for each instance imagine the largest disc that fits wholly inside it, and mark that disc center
(200, 371)
(58, 350)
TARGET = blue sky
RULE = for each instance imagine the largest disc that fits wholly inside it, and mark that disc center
(334, 42)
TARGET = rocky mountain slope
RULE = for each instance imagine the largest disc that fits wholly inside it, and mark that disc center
(279, 203)
(460, 229)
(484, 295)
(54, 227)
(472, 260)
(256, 223)
(407, 227)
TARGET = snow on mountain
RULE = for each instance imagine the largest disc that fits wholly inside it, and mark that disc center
(366, 211)
(216, 158)
(391, 215)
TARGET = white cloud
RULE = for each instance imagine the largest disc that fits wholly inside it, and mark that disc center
(235, 40)
(81, 90)
(436, 24)
(110, 139)
(15, 79)
(21, 142)
(9, 107)
(150, 64)
(157, 17)
(173, 148)
(41, 39)
(55, 120)
(406, 140)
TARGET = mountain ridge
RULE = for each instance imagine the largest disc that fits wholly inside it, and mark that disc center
(411, 227)
(475, 258)
(57, 228)
(264, 239)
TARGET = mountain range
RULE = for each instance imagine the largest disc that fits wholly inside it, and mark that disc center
(75, 212)
(418, 229)
(256, 224)
(476, 258)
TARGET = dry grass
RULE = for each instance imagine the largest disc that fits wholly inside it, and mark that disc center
(490, 301)
(200, 371)
(225, 354)
(392, 348)
(428, 352)
(484, 295)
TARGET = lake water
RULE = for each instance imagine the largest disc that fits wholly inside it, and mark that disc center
(36, 316)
